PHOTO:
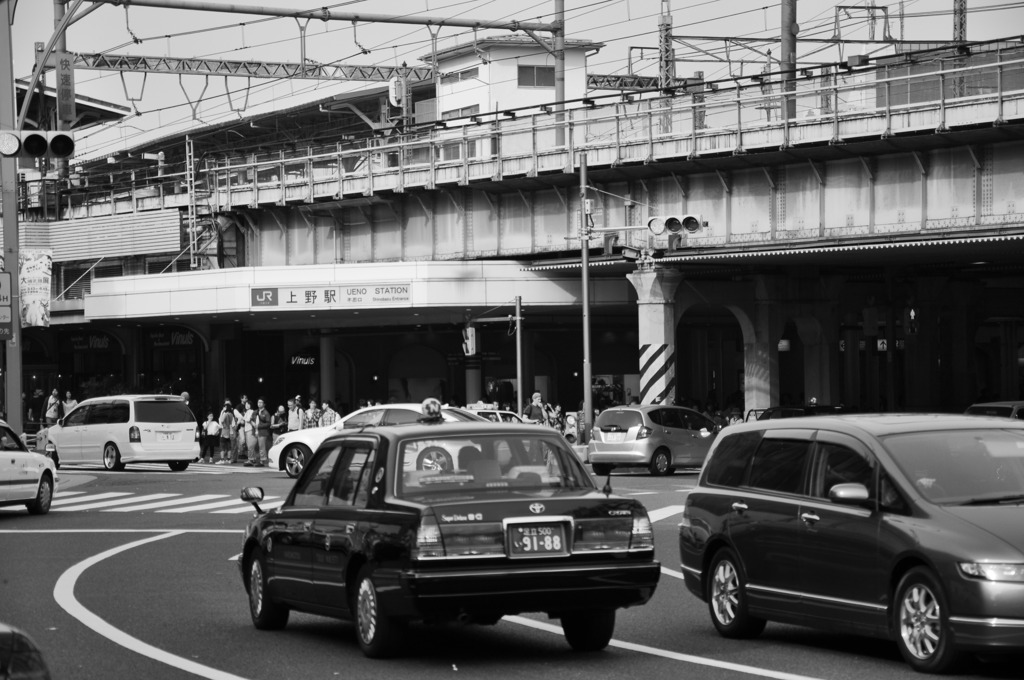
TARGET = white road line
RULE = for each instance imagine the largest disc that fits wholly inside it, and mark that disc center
(666, 654)
(666, 512)
(674, 574)
(113, 502)
(89, 498)
(641, 493)
(166, 504)
(210, 506)
(235, 511)
(64, 594)
(65, 494)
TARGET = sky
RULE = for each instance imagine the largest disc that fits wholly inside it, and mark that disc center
(164, 104)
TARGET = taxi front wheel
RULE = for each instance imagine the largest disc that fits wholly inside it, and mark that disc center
(589, 631)
(266, 614)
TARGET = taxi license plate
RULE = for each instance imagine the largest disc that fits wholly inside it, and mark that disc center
(527, 540)
(615, 437)
(166, 436)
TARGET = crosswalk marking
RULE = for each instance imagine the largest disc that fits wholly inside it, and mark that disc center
(210, 506)
(108, 503)
(164, 504)
(193, 468)
(61, 500)
(248, 508)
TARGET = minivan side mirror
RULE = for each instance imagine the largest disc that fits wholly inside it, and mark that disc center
(849, 494)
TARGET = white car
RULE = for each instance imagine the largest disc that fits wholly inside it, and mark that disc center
(26, 478)
(291, 450)
(136, 428)
(498, 415)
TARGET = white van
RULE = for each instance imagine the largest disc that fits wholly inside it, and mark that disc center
(115, 431)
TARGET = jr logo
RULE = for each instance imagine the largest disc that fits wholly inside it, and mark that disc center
(264, 297)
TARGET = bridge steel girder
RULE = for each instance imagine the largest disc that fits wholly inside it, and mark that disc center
(248, 69)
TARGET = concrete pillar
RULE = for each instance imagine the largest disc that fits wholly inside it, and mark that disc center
(327, 368)
(474, 380)
(1009, 380)
(656, 289)
(817, 360)
(761, 348)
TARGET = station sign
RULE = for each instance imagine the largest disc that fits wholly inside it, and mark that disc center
(331, 297)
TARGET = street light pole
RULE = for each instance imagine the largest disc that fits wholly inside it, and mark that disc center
(588, 394)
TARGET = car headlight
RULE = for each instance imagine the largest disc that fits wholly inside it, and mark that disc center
(994, 572)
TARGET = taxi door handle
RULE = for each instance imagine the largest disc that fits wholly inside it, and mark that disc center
(809, 517)
(307, 526)
(739, 506)
(350, 528)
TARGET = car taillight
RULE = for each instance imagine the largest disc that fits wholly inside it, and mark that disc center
(133, 434)
(428, 539)
(644, 432)
(602, 534)
(474, 540)
(642, 535)
(198, 431)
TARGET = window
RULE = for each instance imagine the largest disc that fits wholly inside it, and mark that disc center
(118, 412)
(352, 482)
(312, 489)
(840, 465)
(536, 76)
(459, 76)
(10, 441)
(77, 417)
(464, 112)
(728, 465)
(778, 465)
(365, 418)
(401, 416)
(163, 412)
(99, 414)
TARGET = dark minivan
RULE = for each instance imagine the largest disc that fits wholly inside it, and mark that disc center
(905, 527)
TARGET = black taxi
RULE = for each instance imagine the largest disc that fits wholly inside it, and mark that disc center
(511, 523)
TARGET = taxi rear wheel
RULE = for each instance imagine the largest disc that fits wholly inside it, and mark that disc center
(266, 614)
(44, 496)
(112, 457)
(379, 635)
(727, 598)
(589, 631)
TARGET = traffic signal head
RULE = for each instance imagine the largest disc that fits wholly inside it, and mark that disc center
(469, 341)
(36, 143)
(674, 224)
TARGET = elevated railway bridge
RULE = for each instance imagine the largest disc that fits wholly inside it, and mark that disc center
(864, 249)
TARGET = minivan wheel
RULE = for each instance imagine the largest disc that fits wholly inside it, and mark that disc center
(178, 465)
(727, 598)
(602, 469)
(660, 463)
(112, 457)
(922, 623)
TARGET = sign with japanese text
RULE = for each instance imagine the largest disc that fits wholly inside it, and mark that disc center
(332, 297)
(6, 330)
(35, 267)
(65, 86)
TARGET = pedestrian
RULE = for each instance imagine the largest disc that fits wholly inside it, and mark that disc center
(211, 437)
(534, 412)
(247, 432)
(313, 414)
(227, 433)
(69, 403)
(278, 423)
(262, 433)
(185, 396)
(295, 415)
(329, 415)
(52, 411)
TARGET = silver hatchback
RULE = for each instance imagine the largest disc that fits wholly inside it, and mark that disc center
(660, 438)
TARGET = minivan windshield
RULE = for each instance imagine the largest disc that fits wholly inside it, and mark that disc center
(962, 466)
(162, 412)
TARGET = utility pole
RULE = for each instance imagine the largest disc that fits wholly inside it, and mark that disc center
(9, 197)
(588, 396)
(788, 61)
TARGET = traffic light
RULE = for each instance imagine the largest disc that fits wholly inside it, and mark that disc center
(674, 225)
(469, 341)
(37, 143)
